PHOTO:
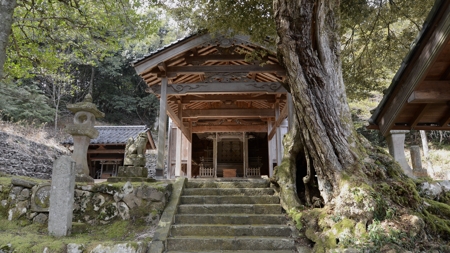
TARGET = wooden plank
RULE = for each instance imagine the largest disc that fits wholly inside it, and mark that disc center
(145, 64)
(226, 97)
(229, 113)
(427, 55)
(179, 123)
(106, 151)
(422, 111)
(270, 68)
(431, 92)
(446, 119)
(283, 115)
(238, 128)
(225, 88)
(217, 57)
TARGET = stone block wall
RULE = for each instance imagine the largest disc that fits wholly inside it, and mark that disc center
(21, 157)
(28, 200)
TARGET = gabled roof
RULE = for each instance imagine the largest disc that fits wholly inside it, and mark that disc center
(211, 87)
(117, 135)
(419, 95)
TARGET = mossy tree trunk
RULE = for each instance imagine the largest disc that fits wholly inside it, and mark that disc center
(6, 17)
(309, 48)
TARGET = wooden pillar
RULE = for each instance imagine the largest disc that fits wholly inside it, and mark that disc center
(162, 124)
(215, 154)
(189, 160)
(290, 104)
(278, 134)
(269, 145)
(178, 153)
(245, 152)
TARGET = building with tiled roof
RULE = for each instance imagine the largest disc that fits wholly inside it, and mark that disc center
(106, 152)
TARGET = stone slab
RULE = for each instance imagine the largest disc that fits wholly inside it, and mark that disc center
(62, 197)
(131, 179)
(40, 198)
(132, 171)
(23, 182)
(230, 219)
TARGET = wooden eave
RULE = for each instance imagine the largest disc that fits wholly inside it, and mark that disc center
(212, 88)
(419, 97)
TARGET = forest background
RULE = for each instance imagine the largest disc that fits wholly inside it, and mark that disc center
(59, 51)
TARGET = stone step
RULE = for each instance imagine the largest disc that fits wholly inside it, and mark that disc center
(228, 191)
(228, 183)
(242, 219)
(231, 230)
(230, 209)
(235, 251)
(211, 199)
(193, 243)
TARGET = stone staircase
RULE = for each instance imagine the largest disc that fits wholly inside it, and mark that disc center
(229, 216)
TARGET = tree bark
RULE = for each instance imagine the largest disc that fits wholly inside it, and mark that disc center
(6, 17)
(308, 46)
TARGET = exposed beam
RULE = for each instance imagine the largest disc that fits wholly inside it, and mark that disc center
(145, 65)
(446, 119)
(268, 68)
(431, 92)
(422, 111)
(179, 123)
(106, 151)
(225, 97)
(228, 88)
(205, 58)
(440, 30)
(229, 113)
(283, 115)
(241, 128)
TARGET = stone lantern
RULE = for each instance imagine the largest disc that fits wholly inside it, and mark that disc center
(82, 131)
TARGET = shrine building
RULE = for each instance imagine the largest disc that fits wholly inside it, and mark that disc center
(227, 116)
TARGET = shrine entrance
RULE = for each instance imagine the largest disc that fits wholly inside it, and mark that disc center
(227, 114)
(235, 155)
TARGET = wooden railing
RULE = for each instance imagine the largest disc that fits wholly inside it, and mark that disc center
(253, 172)
(206, 171)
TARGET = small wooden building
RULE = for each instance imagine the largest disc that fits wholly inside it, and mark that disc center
(106, 153)
(228, 115)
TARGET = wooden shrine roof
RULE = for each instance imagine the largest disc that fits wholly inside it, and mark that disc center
(211, 86)
(419, 96)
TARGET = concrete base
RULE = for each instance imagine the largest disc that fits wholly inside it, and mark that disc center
(396, 144)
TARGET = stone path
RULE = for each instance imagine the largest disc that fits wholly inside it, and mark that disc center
(230, 216)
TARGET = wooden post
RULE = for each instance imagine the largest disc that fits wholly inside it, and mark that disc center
(269, 149)
(278, 134)
(215, 154)
(162, 124)
(178, 153)
(245, 152)
(189, 160)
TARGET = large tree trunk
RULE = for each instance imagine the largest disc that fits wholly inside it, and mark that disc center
(6, 20)
(309, 48)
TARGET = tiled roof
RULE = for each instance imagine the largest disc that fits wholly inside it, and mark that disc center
(114, 134)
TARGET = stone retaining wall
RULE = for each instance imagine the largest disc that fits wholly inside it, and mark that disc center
(19, 156)
(25, 199)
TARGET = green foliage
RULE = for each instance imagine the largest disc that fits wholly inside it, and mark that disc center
(24, 103)
(250, 17)
(375, 37)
